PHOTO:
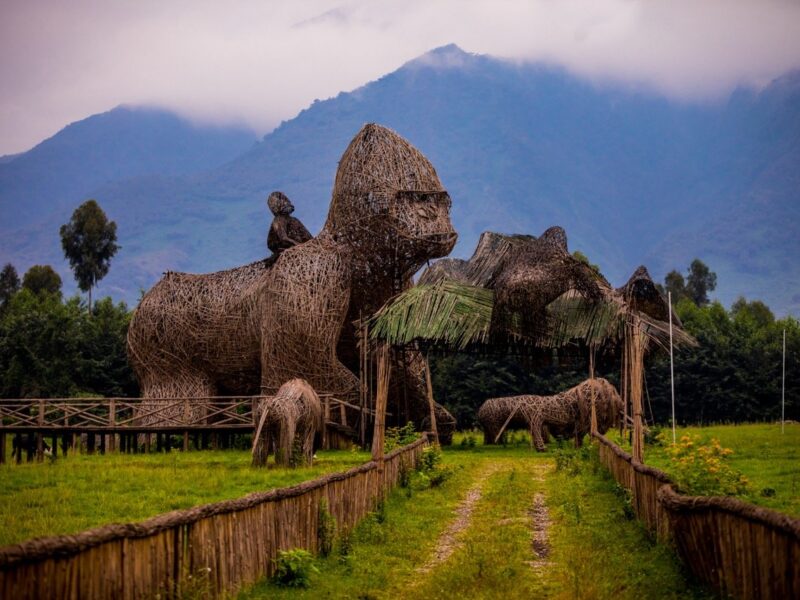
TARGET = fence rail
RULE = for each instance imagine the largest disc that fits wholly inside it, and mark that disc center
(110, 417)
(219, 547)
(741, 549)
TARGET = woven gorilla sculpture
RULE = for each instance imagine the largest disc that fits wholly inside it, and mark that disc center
(250, 329)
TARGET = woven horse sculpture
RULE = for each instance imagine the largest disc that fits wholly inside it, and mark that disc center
(250, 329)
(287, 424)
(567, 414)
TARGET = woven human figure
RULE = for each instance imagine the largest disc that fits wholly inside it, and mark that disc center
(249, 330)
(567, 414)
(287, 423)
(286, 231)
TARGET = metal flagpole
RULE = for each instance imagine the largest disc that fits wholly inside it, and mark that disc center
(671, 366)
(783, 385)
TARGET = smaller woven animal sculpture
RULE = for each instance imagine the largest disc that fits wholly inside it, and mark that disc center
(567, 414)
(286, 231)
(287, 425)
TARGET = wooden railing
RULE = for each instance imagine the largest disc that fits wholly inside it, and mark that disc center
(743, 550)
(118, 421)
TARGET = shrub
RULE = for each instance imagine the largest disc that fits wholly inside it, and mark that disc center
(397, 437)
(704, 469)
(326, 529)
(293, 568)
(431, 457)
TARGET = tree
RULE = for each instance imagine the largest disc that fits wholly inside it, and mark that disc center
(42, 279)
(701, 280)
(674, 282)
(9, 283)
(89, 243)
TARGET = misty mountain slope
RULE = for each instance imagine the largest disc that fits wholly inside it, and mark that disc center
(119, 144)
(632, 176)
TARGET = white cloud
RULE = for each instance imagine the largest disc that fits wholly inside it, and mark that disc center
(261, 62)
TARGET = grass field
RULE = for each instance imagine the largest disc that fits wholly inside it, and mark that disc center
(595, 548)
(82, 491)
(769, 459)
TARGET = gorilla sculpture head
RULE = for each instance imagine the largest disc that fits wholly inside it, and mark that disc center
(388, 202)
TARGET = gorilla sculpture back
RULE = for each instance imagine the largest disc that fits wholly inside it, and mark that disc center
(248, 330)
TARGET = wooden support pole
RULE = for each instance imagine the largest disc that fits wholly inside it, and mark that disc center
(185, 421)
(102, 443)
(112, 419)
(19, 448)
(636, 346)
(593, 425)
(2, 447)
(431, 402)
(326, 417)
(384, 369)
(39, 434)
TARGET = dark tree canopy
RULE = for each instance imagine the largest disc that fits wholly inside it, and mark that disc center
(701, 280)
(42, 279)
(9, 283)
(675, 283)
(89, 243)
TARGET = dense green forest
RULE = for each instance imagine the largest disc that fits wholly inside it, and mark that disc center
(52, 346)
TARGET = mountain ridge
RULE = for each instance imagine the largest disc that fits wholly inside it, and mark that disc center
(633, 177)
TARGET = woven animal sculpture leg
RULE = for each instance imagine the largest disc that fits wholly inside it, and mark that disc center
(300, 312)
(537, 426)
(162, 398)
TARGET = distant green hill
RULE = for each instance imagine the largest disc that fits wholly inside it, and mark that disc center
(633, 177)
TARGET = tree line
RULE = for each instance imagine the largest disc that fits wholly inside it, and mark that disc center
(52, 346)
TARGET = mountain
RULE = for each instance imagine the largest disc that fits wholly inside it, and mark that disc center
(632, 176)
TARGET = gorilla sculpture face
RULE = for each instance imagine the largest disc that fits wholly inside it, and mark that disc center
(388, 201)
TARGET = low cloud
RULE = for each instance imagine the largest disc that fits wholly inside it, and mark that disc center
(261, 62)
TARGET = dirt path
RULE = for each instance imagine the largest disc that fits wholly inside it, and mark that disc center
(449, 541)
(540, 526)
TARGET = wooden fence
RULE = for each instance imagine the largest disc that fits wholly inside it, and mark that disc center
(217, 547)
(740, 549)
(130, 423)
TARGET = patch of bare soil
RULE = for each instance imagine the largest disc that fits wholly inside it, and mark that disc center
(540, 524)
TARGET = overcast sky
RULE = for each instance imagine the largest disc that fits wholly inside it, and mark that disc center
(260, 62)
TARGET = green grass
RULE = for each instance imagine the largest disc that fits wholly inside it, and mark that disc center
(768, 458)
(598, 551)
(82, 491)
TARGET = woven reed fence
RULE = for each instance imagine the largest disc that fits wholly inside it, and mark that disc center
(222, 546)
(741, 549)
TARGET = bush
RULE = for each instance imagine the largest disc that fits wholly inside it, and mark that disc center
(293, 568)
(326, 529)
(703, 469)
(397, 437)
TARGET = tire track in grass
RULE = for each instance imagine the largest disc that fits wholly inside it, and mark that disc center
(450, 539)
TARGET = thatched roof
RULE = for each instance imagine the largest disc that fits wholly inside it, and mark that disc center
(522, 291)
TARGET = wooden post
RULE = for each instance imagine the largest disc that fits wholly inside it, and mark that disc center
(19, 448)
(343, 414)
(2, 447)
(39, 434)
(593, 426)
(384, 368)
(431, 402)
(112, 420)
(636, 343)
(326, 418)
(185, 421)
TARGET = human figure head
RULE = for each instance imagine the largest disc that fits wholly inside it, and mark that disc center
(280, 204)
